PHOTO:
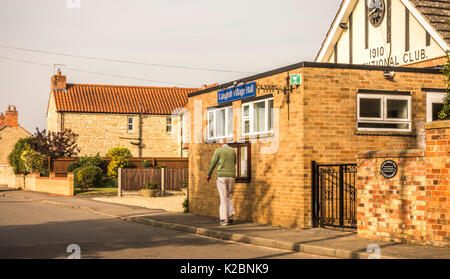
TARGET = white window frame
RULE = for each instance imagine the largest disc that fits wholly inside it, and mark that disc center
(383, 119)
(128, 124)
(169, 124)
(228, 134)
(250, 118)
(433, 98)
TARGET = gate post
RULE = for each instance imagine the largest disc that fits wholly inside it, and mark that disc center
(163, 181)
(119, 182)
(313, 194)
(341, 195)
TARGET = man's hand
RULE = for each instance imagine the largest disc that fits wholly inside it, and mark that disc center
(208, 178)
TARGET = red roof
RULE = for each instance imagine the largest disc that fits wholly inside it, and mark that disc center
(121, 99)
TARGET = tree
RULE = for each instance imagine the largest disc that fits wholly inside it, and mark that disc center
(445, 112)
(56, 144)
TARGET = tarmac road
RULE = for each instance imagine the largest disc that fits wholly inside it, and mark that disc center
(35, 230)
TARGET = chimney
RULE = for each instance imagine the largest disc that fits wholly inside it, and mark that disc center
(11, 117)
(58, 82)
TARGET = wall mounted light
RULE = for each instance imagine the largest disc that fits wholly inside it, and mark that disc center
(389, 75)
(343, 25)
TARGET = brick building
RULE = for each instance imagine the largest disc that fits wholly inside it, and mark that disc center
(10, 132)
(107, 116)
(286, 122)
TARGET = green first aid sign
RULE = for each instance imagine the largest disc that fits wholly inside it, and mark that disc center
(296, 79)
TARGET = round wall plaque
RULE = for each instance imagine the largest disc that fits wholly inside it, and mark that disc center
(388, 169)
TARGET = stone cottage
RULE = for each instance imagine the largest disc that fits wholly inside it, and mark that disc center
(10, 132)
(147, 120)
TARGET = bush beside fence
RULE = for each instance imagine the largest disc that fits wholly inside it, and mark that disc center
(59, 166)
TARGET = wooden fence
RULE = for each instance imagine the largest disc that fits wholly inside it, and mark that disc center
(134, 179)
(59, 166)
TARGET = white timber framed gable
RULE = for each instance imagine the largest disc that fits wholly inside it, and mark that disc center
(382, 33)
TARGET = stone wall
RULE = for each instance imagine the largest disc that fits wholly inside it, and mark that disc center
(99, 132)
(321, 127)
(414, 205)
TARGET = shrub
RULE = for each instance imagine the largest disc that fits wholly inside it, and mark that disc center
(72, 167)
(95, 161)
(186, 205)
(34, 162)
(146, 164)
(56, 144)
(119, 159)
(14, 158)
(151, 186)
(89, 176)
(119, 152)
(115, 164)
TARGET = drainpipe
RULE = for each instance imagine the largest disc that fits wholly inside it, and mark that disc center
(140, 130)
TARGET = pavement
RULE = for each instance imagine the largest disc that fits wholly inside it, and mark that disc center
(337, 243)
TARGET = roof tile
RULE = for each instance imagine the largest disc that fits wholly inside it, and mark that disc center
(121, 99)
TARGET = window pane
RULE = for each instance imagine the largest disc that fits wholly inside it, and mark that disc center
(384, 125)
(246, 126)
(243, 161)
(220, 123)
(370, 108)
(211, 125)
(270, 126)
(437, 107)
(246, 111)
(230, 121)
(259, 116)
(397, 109)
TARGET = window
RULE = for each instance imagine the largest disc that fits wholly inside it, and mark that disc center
(384, 112)
(435, 103)
(220, 123)
(130, 123)
(257, 117)
(243, 162)
(169, 125)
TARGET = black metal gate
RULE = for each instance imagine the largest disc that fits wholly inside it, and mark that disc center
(334, 195)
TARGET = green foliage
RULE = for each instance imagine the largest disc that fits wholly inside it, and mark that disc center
(186, 205)
(115, 164)
(72, 167)
(119, 159)
(184, 184)
(146, 164)
(151, 186)
(34, 162)
(445, 112)
(89, 176)
(14, 158)
(119, 152)
(161, 167)
(95, 161)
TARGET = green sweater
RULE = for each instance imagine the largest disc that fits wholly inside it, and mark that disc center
(225, 159)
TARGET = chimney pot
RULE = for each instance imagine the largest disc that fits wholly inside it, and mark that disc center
(11, 118)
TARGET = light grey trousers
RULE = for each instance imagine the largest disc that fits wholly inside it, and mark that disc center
(225, 186)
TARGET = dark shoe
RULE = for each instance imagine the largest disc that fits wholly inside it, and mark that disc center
(224, 223)
(230, 220)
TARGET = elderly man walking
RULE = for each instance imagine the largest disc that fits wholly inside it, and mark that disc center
(224, 158)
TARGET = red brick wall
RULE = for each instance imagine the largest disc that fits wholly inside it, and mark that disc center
(437, 181)
(414, 205)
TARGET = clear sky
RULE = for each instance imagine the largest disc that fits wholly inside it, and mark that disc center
(244, 36)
